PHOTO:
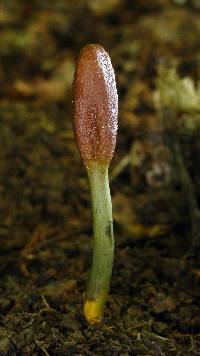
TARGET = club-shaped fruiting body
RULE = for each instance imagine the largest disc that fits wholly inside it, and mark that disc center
(95, 124)
(95, 105)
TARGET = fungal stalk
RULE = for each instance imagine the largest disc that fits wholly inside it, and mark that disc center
(95, 125)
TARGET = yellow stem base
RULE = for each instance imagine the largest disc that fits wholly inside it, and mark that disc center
(93, 311)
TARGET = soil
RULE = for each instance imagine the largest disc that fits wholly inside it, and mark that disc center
(45, 230)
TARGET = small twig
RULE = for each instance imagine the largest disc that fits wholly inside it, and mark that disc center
(41, 347)
(118, 169)
(188, 189)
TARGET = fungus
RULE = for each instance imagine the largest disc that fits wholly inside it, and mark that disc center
(95, 124)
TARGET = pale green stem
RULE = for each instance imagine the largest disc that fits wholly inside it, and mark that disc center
(103, 249)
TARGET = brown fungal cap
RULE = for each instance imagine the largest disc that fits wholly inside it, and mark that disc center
(95, 105)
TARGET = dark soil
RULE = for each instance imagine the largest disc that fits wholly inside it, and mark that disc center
(46, 228)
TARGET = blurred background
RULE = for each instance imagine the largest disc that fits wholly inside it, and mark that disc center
(45, 226)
